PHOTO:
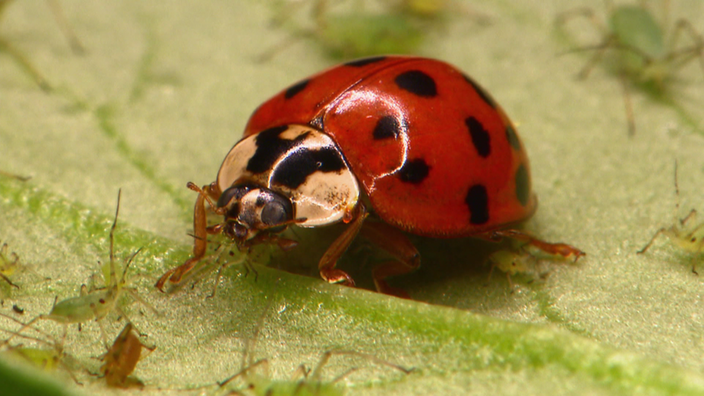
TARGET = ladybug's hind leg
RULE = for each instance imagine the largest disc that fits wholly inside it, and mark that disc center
(395, 242)
(558, 249)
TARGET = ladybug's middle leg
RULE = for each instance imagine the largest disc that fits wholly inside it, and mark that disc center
(394, 242)
(339, 246)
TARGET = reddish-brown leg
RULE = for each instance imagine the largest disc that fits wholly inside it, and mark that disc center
(395, 242)
(200, 239)
(339, 246)
(561, 249)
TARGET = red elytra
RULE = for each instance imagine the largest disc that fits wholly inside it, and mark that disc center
(450, 134)
(432, 151)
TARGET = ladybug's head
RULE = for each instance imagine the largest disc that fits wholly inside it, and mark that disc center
(250, 209)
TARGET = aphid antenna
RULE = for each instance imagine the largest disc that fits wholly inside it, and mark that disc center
(49, 340)
(25, 326)
(112, 238)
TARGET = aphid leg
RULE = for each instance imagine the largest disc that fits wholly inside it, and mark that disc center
(596, 58)
(697, 255)
(496, 259)
(12, 175)
(694, 263)
(655, 236)
(9, 282)
(315, 375)
(98, 320)
(242, 372)
(586, 13)
(339, 246)
(685, 54)
(560, 249)
(120, 286)
(630, 117)
(397, 244)
(140, 300)
(25, 65)
(691, 215)
(222, 267)
(276, 49)
(65, 27)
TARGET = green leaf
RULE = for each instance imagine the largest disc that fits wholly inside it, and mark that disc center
(161, 95)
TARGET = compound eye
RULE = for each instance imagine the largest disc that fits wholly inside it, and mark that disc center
(229, 194)
(277, 211)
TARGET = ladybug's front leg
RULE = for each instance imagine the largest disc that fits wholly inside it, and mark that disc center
(200, 240)
(339, 246)
(559, 249)
(395, 242)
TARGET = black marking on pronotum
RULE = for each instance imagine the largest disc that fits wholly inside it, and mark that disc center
(295, 89)
(512, 137)
(477, 201)
(417, 83)
(388, 127)
(414, 171)
(302, 162)
(270, 147)
(522, 185)
(482, 93)
(480, 137)
(365, 61)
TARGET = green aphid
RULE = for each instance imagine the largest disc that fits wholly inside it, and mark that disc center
(98, 303)
(685, 233)
(642, 50)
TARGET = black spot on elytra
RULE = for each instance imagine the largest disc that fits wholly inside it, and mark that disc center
(477, 201)
(479, 90)
(414, 171)
(480, 137)
(295, 89)
(269, 148)
(388, 127)
(522, 185)
(365, 61)
(301, 163)
(417, 83)
(512, 137)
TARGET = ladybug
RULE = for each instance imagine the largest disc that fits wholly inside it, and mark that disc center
(412, 140)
